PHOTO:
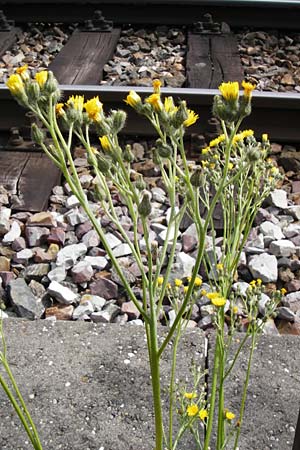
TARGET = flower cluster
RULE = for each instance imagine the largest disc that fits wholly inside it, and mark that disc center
(229, 106)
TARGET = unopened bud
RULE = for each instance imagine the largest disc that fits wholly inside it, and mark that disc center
(181, 115)
(103, 164)
(140, 183)
(164, 150)
(37, 135)
(127, 154)
(196, 178)
(118, 119)
(51, 84)
(144, 207)
(33, 91)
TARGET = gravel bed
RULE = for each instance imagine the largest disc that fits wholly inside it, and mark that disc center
(37, 45)
(52, 264)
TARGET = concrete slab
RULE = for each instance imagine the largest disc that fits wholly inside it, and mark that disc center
(87, 385)
(273, 399)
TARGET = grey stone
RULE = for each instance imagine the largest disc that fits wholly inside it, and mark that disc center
(285, 313)
(291, 230)
(262, 303)
(75, 217)
(271, 230)
(264, 266)
(112, 240)
(36, 236)
(186, 263)
(72, 202)
(107, 315)
(241, 287)
(23, 256)
(91, 239)
(23, 300)
(292, 301)
(294, 211)
(282, 247)
(82, 271)
(68, 255)
(121, 250)
(14, 233)
(95, 300)
(61, 293)
(278, 198)
(36, 271)
(4, 220)
(158, 195)
(85, 308)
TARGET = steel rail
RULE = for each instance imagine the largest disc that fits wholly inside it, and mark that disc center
(277, 114)
(238, 13)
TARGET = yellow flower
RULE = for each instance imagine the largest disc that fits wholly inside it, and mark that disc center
(229, 90)
(192, 118)
(253, 283)
(237, 138)
(230, 166)
(283, 291)
(203, 292)
(76, 101)
(155, 101)
(235, 310)
(133, 99)
(198, 281)
(229, 415)
(41, 77)
(212, 166)
(248, 88)
(205, 150)
(212, 295)
(169, 286)
(218, 301)
(274, 170)
(177, 282)
(169, 105)
(265, 137)
(220, 266)
(259, 282)
(214, 142)
(59, 109)
(93, 108)
(23, 72)
(203, 414)
(156, 86)
(160, 281)
(192, 410)
(190, 395)
(104, 141)
(185, 289)
(15, 84)
(204, 163)
(247, 133)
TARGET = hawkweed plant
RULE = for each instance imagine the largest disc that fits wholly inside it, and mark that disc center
(229, 173)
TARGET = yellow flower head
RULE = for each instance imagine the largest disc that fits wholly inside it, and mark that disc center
(283, 291)
(218, 301)
(155, 101)
(230, 166)
(160, 281)
(203, 292)
(235, 310)
(156, 86)
(93, 107)
(212, 295)
(229, 90)
(169, 286)
(212, 166)
(220, 266)
(23, 72)
(192, 410)
(104, 141)
(198, 281)
(41, 77)
(190, 395)
(274, 170)
(259, 282)
(59, 109)
(229, 415)
(253, 283)
(178, 282)
(248, 88)
(237, 138)
(204, 163)
(133, 99)
(264, 137)
(169, 105)
(192, 118)
(185, 289)
(203, 414)
(15, 84)
(76, 101)
(205, 150)
(247, 133)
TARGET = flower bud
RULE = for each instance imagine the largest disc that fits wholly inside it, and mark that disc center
(103, 164)
(253, 154)
(51, 84)
(144, 208)
(127, 154)
(196, 178)
(140, 183)
(37, 135)
(118, 119)
(181, 115)
(33, 91)
(164, 150)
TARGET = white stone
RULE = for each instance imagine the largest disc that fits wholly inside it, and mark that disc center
(271, 230)
(61, 293)
(122, 250)
(241, 286)
(68, 255)
(112, 240)
(282, 247)
(293, 211)
(23, 256)
(97, 262)
(187, 263)
(14, 233)
(278, 198)
(293, 229)
(57, 274)
(82, 310)
(264, 266)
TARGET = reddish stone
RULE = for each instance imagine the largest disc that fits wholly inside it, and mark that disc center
(43, 257)
(130, 309)
(83, 228)
(57, 236)
(43, 219)
(286, 327)
(293, 286)
(104, 288)
(61, 312)
(6, 277)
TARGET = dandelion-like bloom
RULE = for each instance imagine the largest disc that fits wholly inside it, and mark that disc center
(93, 107)
(203, 414)
(217, 140)
(247, 133)
(220, 266)
(104, 141)
(160, 281)
(59, 109)
(178, 282)
(248, 88)
(283, 291)
(155, 101)
(264, 137)
(229, 90)
(198, 281)
(192, 410)
(190, 395)
(216, 299)
(259, 282)
(230, 166)
(15, 84)
(41, 77)
(235, 310)
(169, 105)
(205, 150)
(76, 101)
(133, 99)
(23, 72)
(156, 86)
(203, 292)
(229, 415)
(192, 118)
